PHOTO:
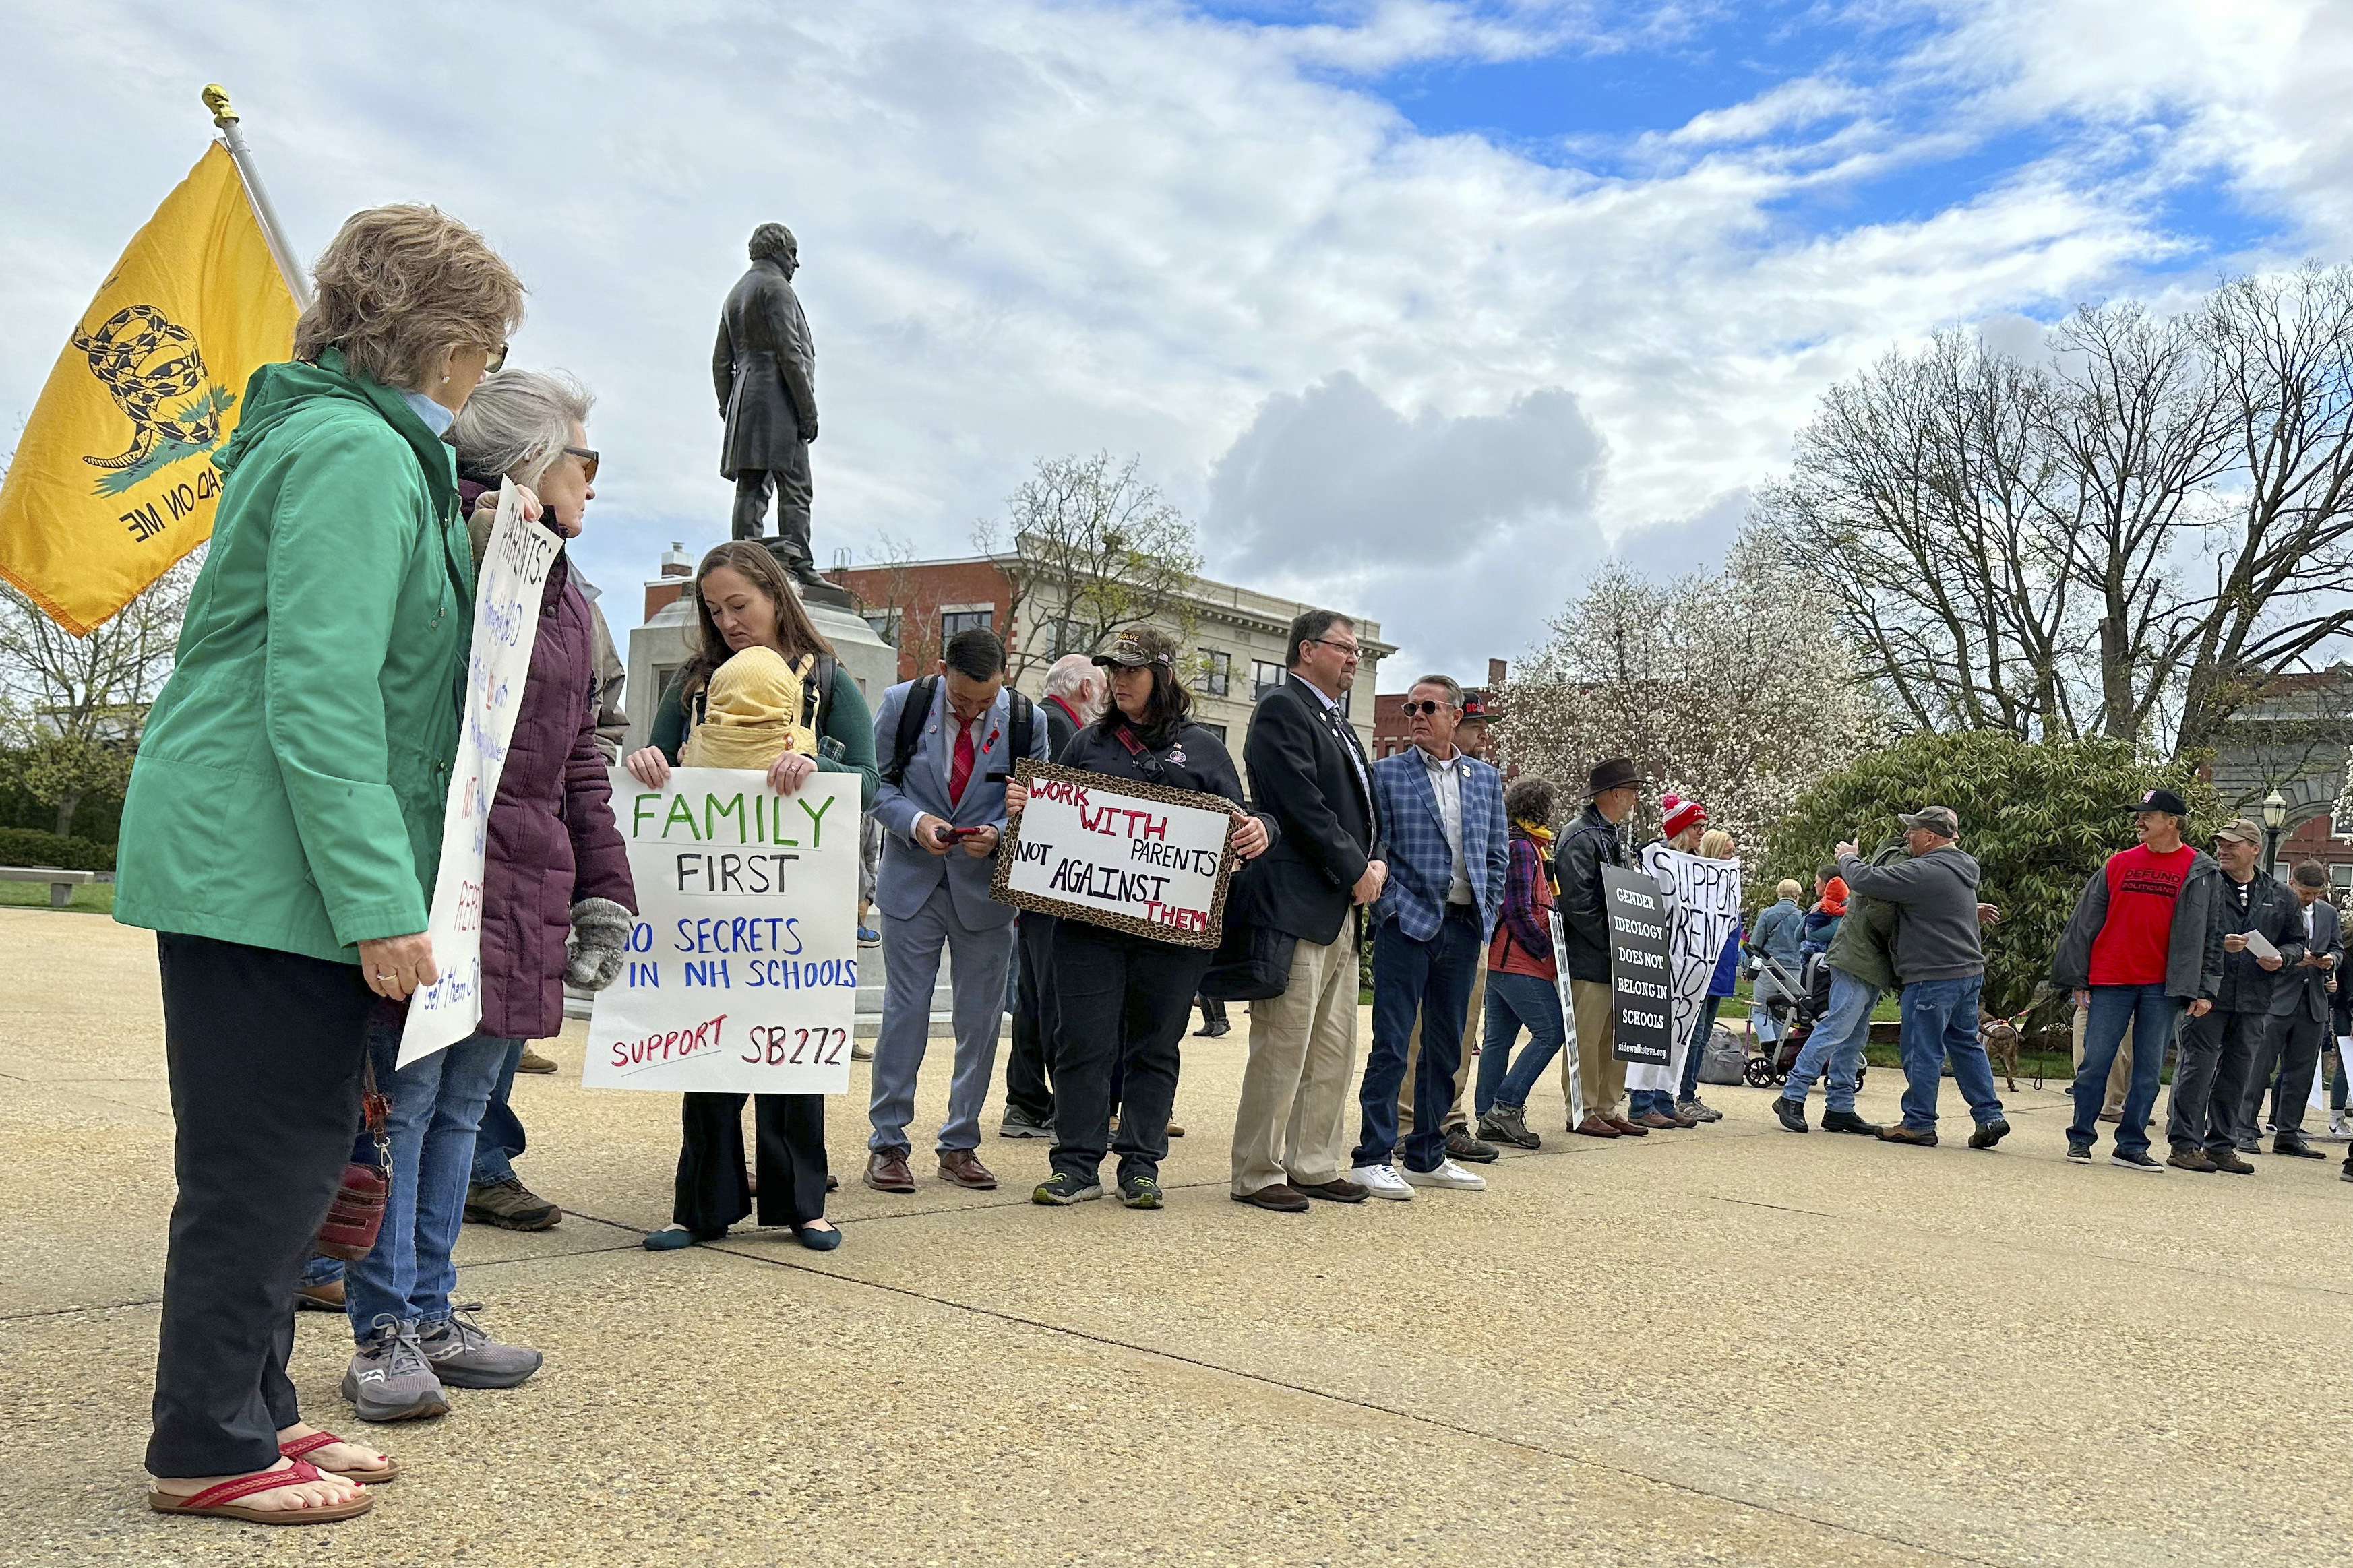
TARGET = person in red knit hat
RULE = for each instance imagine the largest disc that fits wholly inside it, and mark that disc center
(1682, 822)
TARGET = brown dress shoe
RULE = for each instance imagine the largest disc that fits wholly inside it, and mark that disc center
(1626, 1129)
(1659, 1120)
(1176, 1129)
(886, 1172)
(1338, 1190)
(1279, 1197)
(963, 1167)
(1595, 1127)
(326, 1298)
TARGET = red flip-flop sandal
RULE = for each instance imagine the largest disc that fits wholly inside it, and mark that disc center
(220, 1501)
(318, 1440)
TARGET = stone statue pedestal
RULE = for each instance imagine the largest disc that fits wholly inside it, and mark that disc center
(813, 593)
(660, 647)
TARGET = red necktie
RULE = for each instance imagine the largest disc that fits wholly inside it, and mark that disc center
(960, 770)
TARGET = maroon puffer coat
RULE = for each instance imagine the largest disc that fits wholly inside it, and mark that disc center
(551, 840)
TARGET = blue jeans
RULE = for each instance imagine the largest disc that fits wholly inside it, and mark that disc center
(1838, 1040)
(1697, 1050)
(437, 1104)
(1516, 1002)
(1940, 1024)
(499, 1138)
(1427, 979)
(2152, 1014)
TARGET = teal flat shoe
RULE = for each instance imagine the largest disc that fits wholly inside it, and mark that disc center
(671, 1240)
(817, 1241)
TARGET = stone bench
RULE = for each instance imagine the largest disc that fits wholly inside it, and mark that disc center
(61, 883)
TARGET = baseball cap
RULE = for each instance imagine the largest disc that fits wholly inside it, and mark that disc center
(1140, 645)
(1938, 819)
(2162, 800)
(1475, 706)
(2244, 831)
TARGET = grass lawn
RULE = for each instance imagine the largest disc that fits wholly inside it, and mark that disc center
(90, 899)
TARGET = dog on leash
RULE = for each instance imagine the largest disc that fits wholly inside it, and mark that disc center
(2002, 1039)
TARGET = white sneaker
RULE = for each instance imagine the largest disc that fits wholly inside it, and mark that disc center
(1382, 1182)
(2336, 1128)
(1448, 1174)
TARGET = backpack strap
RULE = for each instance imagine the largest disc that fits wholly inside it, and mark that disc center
(816, 691)
(1024, 717)
(912, 719)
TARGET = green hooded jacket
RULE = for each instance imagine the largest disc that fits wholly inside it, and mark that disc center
(1865, 945)
(291, 781)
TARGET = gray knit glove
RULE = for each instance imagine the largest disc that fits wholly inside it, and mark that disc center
(600, 936)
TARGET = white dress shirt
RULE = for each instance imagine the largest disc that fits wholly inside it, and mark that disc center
(1446, 784)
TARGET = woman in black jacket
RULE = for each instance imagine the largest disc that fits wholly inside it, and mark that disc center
(1122, 994)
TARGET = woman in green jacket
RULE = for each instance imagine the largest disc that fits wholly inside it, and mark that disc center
(745, 606)
(283, 826)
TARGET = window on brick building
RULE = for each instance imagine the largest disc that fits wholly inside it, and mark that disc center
(954, 621)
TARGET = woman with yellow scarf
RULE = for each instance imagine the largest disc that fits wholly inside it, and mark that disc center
(742, 702)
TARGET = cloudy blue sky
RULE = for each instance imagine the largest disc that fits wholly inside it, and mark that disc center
(1419, 307)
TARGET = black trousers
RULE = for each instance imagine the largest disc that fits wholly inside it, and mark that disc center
(2209, 1077)
(2293, 1044)
(1037, 1017)
(1121, 996)
(264, 1049)
(788, 1144)
(791, 487)
(1212, 1010)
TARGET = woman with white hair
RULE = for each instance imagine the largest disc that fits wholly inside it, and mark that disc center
(558, 904)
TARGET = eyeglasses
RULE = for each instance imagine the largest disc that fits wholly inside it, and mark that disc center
(587, 461)
(497, 362)
(1348, 649)
(1426, 707)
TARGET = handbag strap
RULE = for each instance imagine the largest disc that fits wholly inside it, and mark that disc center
(1146, 763)
(375, 1106)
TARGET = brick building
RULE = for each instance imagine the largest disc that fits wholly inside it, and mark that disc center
(1236, 635)
(1390, 735)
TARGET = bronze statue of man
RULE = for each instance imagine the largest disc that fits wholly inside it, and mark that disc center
(765, 371)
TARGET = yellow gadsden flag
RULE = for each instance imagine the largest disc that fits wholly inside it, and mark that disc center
(111, 483)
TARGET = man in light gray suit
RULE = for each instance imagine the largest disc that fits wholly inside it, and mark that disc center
(943, 744)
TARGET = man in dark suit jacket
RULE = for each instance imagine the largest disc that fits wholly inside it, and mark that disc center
(1074, 696)
(2257, 992)
(1309, 771)
(2295, 1041)
(765, 370)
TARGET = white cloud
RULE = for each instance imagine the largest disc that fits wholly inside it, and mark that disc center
(1033, 227)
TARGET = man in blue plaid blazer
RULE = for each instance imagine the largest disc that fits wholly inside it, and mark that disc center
(1448, 851)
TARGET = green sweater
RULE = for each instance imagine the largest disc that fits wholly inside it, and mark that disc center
(846, 719)
(290, 784)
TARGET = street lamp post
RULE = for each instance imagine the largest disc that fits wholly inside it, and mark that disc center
(2274, 818)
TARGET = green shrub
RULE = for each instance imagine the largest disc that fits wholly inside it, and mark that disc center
(30, 846)
(2040, 819)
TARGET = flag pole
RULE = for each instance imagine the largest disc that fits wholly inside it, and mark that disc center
(216, 97)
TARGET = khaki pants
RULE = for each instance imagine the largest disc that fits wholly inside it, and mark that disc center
(1290, 1125)
(1454, 1116)
(1602, 1075)
(2119, 1075)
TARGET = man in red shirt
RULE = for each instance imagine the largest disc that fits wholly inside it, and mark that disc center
(2142, 947)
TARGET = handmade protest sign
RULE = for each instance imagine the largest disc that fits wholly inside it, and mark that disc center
(1138, 858)
(742, 972)
(1639, 972)
(511, 578)
(1703, 909)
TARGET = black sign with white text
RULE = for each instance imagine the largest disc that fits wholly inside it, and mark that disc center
(1640, 980)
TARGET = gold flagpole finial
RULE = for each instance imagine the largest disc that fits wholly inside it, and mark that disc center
(216, 97)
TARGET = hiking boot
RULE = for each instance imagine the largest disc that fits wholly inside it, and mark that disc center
(2228, 1160)
(1988, 1134)
(1901, 1134)
(1140, 1193)
(1461, 1145)
(1061, 1189)
(2190, 1157)
(463, 1357)
(1847, 1121)
(531, 1061)
(1019, 1123)
(1791, 1113)
(1698, 1110)
(1509, 1124)
(509, 1205)
(2079, 1151)
(390, 1380)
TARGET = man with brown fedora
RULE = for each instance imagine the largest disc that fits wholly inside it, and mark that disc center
(1596, 839)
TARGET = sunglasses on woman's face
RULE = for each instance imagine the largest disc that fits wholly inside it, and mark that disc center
(587, 462)
(1425, 707)
(497, 362)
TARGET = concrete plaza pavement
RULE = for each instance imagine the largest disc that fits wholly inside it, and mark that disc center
(1727, 1345)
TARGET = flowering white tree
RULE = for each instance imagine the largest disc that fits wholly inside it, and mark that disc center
(1733, 687)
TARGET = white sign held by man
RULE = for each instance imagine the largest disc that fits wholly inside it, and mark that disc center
(1138, 858)
(741, 970)
(506, 627)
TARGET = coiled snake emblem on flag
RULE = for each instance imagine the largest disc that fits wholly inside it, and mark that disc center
(143, 359)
